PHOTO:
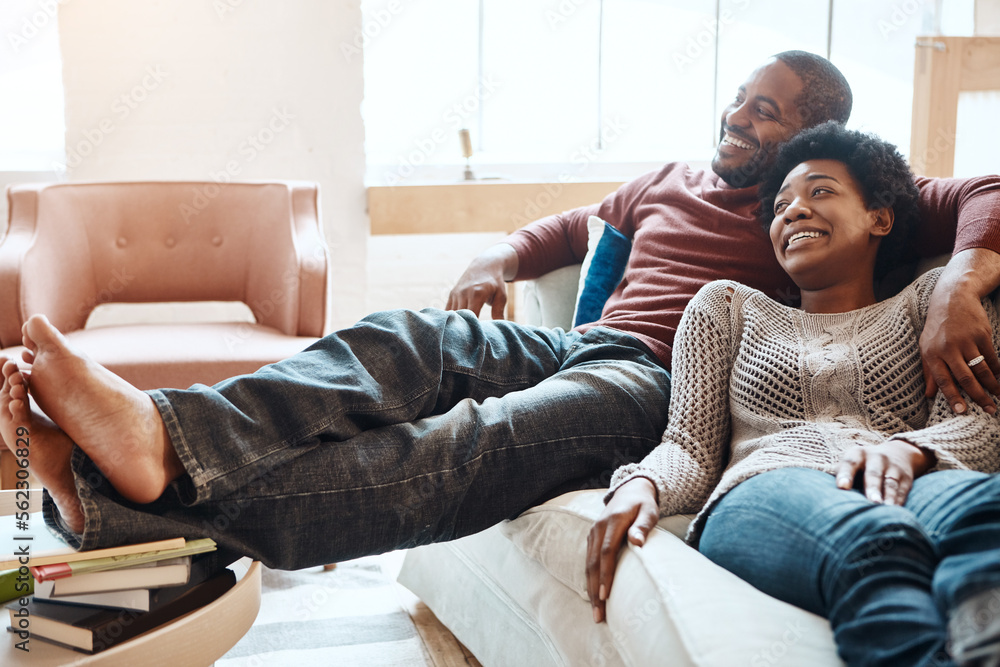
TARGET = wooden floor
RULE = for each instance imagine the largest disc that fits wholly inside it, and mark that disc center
(441, 647)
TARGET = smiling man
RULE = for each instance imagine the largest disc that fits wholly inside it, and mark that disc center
(772, 106)
(409, 427)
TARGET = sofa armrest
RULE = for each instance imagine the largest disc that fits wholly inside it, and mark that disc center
(549, 301)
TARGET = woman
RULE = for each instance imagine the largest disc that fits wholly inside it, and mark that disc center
(803, 437)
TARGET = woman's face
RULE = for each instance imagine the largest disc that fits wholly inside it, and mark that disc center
(822, 231)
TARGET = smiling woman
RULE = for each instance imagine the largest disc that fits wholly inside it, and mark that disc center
(804, 435)
(873, 175)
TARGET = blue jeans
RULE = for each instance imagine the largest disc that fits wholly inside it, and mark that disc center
(407, 428)
(885, 576)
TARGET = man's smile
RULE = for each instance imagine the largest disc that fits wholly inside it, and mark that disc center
(733, 140)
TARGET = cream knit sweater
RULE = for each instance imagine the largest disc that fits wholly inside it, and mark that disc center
(758, 386)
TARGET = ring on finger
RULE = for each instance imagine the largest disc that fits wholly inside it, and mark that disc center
(978, 360)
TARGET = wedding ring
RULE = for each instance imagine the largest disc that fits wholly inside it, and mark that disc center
(978, 360)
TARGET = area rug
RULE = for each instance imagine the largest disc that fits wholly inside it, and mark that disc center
(350, 615)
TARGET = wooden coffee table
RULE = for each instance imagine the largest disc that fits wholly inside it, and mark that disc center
(197, 638)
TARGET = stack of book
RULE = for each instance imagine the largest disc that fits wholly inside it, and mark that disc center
(93, 600)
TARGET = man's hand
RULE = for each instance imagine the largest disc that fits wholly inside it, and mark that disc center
(633, 509)
(957, 331)
(889, 467)
(484, 281)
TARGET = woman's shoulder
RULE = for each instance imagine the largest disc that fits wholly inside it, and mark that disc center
(724, 288)
(919, 291)
(734, 294)
(926, 281)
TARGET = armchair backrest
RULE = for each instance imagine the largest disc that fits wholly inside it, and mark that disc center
(70, 247)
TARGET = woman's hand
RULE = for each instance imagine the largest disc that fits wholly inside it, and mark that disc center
(890, 468)
(633, 509)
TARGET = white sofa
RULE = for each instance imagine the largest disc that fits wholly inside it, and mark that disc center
(515, 594)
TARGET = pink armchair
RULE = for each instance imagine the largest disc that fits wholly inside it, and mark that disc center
(71, 247)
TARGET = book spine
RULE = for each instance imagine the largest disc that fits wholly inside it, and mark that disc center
(54, 571)
(14, 584)
(114, 562)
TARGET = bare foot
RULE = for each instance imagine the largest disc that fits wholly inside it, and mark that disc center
(117, 425)
(48, 449)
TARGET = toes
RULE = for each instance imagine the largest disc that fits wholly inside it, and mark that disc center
(18, 410)
(28, 356)
(16, 378)
(26, 340)
(39, 334)
(14, 381)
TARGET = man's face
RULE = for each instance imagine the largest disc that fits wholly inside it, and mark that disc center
(762, 116)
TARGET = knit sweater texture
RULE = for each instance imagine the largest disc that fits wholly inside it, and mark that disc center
(688, 228)
(758, 386)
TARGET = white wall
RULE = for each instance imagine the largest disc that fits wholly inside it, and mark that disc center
(216, 89)
(987, 18)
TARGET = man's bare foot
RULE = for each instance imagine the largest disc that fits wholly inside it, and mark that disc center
(48, 449)
(117, 425)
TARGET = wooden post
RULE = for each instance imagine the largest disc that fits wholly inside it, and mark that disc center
(943, 68)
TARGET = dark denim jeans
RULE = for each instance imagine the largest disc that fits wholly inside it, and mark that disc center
(407, 428)
(885, 576)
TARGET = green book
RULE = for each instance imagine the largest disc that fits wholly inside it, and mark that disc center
(59, 570)
(14, 585)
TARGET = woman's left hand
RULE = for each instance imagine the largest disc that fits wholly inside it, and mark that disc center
(890, 468)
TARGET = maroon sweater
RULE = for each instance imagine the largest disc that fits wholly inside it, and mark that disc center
(689, 228)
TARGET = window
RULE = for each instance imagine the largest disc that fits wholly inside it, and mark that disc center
(587, 89)
(32, 121)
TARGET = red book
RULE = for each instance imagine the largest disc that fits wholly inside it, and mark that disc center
(53, 571)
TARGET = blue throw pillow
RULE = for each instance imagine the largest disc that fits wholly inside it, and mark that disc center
(602, 270)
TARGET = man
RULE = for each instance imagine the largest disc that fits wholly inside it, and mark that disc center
(416, 427)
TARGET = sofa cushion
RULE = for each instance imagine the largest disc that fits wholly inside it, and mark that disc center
(515, 594)
(551, 534)
(504, 607)
(549, 301)
(668, 599)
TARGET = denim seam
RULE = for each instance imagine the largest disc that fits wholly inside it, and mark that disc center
(206, 477)
(92, 517)
(500, 381)
(443, 470)
(199, 476)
